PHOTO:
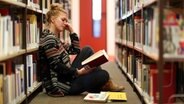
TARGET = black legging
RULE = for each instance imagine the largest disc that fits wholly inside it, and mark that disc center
(91, 82)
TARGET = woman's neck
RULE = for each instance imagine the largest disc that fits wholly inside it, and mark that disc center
(53, 30)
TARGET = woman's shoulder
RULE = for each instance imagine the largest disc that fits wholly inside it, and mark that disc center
(47, 34)
(47, 37)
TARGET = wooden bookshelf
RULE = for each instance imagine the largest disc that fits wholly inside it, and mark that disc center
(143, 30)
(32, 49)
(19, 44)
(15, 3)
(12, 55)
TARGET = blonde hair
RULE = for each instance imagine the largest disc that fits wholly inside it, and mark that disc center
(55, 9)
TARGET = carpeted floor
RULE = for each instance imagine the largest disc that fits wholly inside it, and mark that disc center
(116, 76)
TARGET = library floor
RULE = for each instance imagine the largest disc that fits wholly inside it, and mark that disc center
(116, 75)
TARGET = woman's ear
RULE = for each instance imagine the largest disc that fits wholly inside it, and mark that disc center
(52, 19)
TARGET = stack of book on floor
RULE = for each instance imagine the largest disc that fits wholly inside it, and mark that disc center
(106, 97)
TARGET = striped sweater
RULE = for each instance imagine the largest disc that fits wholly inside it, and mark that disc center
(55, 55)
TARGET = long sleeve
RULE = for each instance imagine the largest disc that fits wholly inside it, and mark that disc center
(74, 48)
(53, 53)
(56, 55)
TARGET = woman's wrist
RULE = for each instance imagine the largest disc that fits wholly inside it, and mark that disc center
(71, 31)
(79, 72)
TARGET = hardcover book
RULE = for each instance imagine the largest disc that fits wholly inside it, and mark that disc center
(2, 75)
(169, 82)
(96, 59)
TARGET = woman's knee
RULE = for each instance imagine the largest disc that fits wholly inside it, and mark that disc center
(106, 74)
(103, 74)
(87, 49)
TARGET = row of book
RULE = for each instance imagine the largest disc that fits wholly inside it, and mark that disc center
(33, 31)
(12, 80)
(145, 75)
(9, 32)
(66, 5)
(11, 29)
(42, 6)
(35, 4)
(139, 53)
(125, 7)
(21, 22)
(146, 36)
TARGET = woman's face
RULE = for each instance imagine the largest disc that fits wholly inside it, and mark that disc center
(60, 21)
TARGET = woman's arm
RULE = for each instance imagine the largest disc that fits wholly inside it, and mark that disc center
(74, 48)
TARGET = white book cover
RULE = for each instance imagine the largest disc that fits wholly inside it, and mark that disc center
(1, 34)
(96, 97)
(22, 80)
(30, 72)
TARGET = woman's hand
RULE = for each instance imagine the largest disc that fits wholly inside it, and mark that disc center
(68, 27)
(85, 70)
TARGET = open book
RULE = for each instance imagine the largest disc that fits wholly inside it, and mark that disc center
(96, 59)
(96, 97)
(106, 96)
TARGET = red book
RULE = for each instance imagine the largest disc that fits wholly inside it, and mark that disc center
(169, 83)
(4, 12)
(96, 59)
(9, 68)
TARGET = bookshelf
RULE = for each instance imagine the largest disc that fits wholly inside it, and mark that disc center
(21, 24)
(149, 48)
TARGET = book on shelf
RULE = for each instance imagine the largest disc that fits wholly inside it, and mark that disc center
(180, 78)
(169, 82)
(29, 60)
(104, 96)
(2, 74)
(96, 59)
(173, 33)
(1, 87)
